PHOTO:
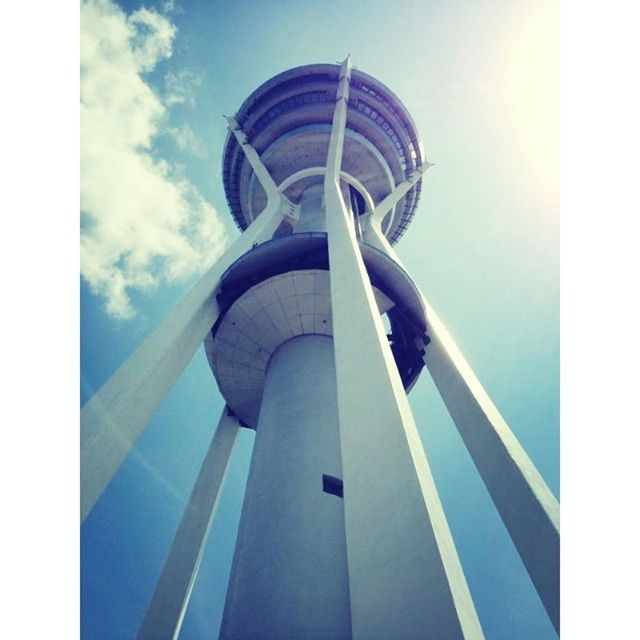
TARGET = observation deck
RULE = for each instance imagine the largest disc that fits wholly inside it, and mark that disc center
(288, 122)
(279, 290)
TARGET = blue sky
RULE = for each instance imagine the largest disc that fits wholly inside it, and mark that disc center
(480, 80)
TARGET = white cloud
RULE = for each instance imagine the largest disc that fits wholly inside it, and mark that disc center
(169, 6)
(186, 140)
(142, 223)
(180, 87)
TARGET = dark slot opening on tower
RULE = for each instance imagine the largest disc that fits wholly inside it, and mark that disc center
(332, 485)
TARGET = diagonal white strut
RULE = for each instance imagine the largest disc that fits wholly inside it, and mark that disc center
(390, 201)
(168, 606)
(528, 509)
(275, 193)
(117, 414)
(405, 578)
(262, 173)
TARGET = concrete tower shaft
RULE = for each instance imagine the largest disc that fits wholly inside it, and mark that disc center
(289, 578)
(311, 297)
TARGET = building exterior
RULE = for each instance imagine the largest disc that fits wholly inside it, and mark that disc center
(315, 334)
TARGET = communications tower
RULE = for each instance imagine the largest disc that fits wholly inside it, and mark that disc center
(315, 333)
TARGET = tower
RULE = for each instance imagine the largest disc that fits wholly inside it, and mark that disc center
(315, 333)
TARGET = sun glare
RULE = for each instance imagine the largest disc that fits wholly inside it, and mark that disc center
(533, 88)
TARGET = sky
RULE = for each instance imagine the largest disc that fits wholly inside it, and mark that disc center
(481, 81)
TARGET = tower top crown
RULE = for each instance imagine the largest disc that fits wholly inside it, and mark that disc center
(288, 122)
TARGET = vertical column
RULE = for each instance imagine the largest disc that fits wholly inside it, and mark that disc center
(405, 577)
(311, 210)
(289, 575)
(117, 414)
(528, 509)
(172, 593)
(526, 505)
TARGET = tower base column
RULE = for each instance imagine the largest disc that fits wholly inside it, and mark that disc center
(289, 576)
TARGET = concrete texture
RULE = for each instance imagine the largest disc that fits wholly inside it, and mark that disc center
(270, 313)
(289, 575)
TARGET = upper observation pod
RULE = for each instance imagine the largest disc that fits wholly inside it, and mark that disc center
(287, 121)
